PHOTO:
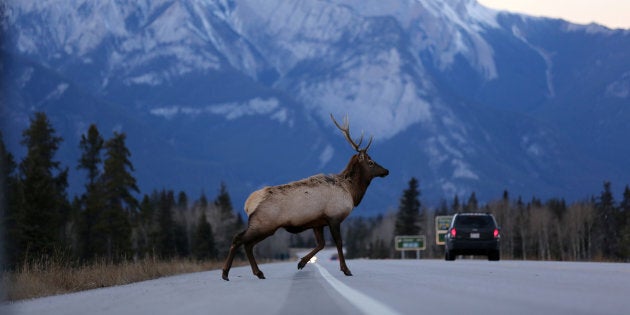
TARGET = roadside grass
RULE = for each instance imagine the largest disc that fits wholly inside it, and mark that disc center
(50, 277)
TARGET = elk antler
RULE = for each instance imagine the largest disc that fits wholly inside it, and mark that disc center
(346, 132)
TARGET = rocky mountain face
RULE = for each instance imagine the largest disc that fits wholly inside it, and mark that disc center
(462, 97)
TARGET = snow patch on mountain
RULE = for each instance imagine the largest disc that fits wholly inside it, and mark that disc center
(56, 92)
(26, 76)
(620, 88)
(257, 106)
(150, 79)
(379, 97)
(463, 170)
(591, 28)
(182, 37)
(531, 147)
(76, 32)
(326, 155)
(546, 56)
(300, 29)
(457, 27)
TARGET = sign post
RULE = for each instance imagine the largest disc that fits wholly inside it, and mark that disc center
(410, 242)
(442, 223)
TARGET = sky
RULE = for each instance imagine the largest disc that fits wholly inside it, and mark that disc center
(610, 13)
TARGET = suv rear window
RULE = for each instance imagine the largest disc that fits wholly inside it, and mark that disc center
(482, 221)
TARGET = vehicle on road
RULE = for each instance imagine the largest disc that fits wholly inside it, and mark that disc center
(473, 234)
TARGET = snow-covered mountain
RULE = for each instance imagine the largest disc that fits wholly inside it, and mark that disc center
(460, 96)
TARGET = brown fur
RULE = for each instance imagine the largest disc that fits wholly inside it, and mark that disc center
(265, 193)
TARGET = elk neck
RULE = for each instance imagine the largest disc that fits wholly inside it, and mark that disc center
(357, 179)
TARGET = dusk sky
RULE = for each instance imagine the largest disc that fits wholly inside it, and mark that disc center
(611, 13)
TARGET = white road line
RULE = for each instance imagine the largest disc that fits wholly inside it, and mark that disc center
(363, 302)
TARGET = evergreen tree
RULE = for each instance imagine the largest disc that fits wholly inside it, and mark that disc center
(93, 240)
(7, 167)
(118, 188)
(624, 215)
(442, 209)
(182, 243)
(143, 226)
(119, 182)
(240, 223)
(202, 203)
(92, 204)
(165, 232)
(624, 205)
(408, 219)
(224, 202)
(182, 234)
(607, 223)
(203, 247)
(42, 204)
(229, 222)
(379, 249)
(357, 238)
(91, 146)
(472, 205)
(8, 207)
(456, 208)
(521, 232)
(558, 207)
(182, 201)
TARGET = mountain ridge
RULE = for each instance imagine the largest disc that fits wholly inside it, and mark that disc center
(471, 99)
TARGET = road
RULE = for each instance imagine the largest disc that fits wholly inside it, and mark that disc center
(377, 287)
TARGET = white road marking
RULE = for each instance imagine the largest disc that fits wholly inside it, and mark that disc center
(361, 301)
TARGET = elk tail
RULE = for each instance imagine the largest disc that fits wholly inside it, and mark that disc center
(252, 202)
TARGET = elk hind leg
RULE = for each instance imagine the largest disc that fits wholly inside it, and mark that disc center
(249, 251)
(236, 243)
(319, 237)
(248, 238)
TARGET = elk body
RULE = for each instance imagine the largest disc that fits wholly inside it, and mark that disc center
(311, 203)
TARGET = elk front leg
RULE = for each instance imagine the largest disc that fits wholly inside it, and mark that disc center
(335, 230)
(319, 237)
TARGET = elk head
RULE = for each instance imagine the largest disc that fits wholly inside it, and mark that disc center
(367, 168)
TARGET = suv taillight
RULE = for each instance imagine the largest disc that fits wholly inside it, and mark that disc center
(453, 232)
(496, 233)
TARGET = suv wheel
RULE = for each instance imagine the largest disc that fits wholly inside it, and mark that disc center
(494, 256)
(449, 255)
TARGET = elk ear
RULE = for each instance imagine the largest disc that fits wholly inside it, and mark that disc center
(361, 156)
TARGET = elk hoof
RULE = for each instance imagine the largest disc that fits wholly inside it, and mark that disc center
(225, 275)
(346, 272)
(301, 264)
(260, 275)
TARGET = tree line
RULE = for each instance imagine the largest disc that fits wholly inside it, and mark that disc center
(107, 221)
(594, 229)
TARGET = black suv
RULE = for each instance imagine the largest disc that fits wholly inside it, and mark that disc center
(473, 234)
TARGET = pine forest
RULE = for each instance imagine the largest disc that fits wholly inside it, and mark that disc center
(112, 220)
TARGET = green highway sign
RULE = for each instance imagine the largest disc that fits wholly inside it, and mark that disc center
(410, 242)
(442, 223)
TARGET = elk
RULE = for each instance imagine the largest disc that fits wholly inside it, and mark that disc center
(311, 203)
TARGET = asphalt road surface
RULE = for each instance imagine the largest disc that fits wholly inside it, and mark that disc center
(378, 287)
